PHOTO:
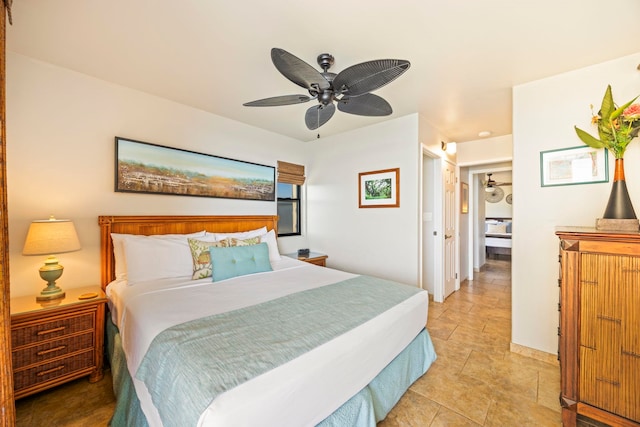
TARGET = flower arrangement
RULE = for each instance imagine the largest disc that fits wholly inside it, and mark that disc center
(617, 126)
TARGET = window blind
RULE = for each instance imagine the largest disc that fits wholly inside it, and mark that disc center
(290, 173)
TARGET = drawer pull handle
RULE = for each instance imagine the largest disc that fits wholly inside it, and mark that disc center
(50, 331)
(50, 371)
(51, 350)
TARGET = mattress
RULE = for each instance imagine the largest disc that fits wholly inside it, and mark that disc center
(323, 379)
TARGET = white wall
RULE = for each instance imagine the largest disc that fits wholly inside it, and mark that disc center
(60, 160)
(375, 241)
(488, 150)
(60, 131)
(544, 114)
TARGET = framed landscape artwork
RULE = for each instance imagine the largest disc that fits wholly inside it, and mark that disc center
(142, 167)
(379, 189)
(574, 165)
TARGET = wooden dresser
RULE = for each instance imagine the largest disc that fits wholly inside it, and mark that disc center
(599, 334)
(57, 341)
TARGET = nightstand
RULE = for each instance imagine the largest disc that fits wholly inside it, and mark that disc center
(313, 258)
(57, 341)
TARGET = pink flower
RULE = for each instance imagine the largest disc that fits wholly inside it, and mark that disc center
(632, 111)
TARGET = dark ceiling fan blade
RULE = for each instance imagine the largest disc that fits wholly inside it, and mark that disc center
(277, 101)
(367, 104)
(369, 76)
(298, 71)
(318, 115)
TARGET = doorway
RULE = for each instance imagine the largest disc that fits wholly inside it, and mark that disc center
(475, 252)
(438, 251)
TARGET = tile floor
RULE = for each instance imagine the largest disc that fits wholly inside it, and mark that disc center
(476, 380)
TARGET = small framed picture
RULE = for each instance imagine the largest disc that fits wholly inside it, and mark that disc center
(379, 189)
(464, 197)
(575, 165)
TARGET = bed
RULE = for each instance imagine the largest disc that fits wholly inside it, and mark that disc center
(498, 232)
(288, 344)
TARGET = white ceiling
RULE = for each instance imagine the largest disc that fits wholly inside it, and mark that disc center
(215, 54)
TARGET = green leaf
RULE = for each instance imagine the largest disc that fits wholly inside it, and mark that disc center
(619, 111)
(607, 105)
(589, 139)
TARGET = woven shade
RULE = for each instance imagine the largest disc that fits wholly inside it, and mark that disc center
(290, 173)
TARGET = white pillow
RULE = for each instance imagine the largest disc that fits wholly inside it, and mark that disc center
(497, 228)
(272, 243)
(240, 235)
(118, 248)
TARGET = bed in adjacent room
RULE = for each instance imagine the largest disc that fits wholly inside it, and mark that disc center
(210, 326)
(498, 236)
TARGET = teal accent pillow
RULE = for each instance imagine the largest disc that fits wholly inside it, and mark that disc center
(239, 260)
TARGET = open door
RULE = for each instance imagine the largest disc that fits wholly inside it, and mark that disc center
(439, 226)
(450, 233)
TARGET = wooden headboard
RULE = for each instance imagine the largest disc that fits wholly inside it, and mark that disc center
(148, 225)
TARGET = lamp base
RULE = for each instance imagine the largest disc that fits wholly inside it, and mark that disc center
(50, 294)
(51, 271)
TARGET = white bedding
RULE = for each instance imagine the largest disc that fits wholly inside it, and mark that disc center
(498, 242)
(307, 389)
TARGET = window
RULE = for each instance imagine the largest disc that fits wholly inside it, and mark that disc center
(288, 209)
(290, 178)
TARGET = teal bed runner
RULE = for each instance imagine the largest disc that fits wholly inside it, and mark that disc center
(188, 365)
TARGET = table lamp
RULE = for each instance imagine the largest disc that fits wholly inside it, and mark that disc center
(48, 237)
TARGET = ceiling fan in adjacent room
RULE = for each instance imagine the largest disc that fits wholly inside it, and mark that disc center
(349, 89)
(493, 192)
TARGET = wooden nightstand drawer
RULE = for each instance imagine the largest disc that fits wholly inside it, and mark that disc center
(56, 342)
(41, 331)
(315, 258)
(52, 349)
(49, 371)
(320, 260)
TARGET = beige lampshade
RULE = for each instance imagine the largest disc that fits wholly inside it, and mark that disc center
(51, 236)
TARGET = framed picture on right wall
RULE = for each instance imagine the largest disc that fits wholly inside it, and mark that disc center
(574, 165)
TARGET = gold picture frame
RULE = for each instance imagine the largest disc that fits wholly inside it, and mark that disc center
(464, 198)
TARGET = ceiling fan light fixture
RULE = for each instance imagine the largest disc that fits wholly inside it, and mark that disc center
(350, 88)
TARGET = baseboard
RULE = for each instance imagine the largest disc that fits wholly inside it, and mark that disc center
(534, 354)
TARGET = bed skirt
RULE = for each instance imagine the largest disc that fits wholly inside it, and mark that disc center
(369, 406)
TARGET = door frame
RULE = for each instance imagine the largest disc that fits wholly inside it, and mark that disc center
(474, 170)
(432, 190)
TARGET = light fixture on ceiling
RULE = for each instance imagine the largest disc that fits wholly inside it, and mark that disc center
(448, 147)
(484, 133)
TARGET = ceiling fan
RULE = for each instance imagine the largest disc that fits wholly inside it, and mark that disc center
(490, 184)
(349, 89)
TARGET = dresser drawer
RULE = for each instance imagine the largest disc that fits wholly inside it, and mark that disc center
(51, 349)
(52, 328)
(48, 371)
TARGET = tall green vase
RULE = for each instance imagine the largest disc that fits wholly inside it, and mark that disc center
(619, 205)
